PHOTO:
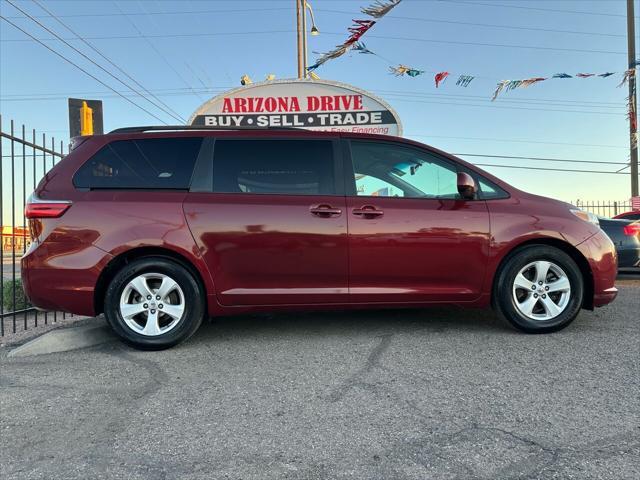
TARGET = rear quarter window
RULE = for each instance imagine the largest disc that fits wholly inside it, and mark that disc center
(150, 163)
(490, 191)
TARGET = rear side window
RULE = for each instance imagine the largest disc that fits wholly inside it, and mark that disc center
(291, 167)
(158, 163)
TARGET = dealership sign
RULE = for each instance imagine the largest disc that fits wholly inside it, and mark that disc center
(309, 104)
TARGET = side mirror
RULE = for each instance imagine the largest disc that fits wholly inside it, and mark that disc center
(466, 186)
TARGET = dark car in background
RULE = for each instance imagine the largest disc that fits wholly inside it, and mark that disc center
(633, 215)
(625, 235)
(158, 229)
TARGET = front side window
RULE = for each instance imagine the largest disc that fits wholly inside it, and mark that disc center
(390, 170)
(290, 167)
(153, 163)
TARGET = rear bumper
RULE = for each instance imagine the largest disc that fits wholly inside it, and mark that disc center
(63, 277)
(601, 255)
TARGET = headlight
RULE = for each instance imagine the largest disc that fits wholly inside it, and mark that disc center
(586, 216)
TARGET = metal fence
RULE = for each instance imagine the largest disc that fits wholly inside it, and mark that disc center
(604, 209)
(25, 156)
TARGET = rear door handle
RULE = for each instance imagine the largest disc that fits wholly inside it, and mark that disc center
(367, 211)
(325, 211)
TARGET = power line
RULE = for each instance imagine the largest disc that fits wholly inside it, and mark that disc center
(491, 139)
(490, 104)
(158, 28)
(153, 47)
(345, 12)
(478, 44)
(166, 35)
(508, 100)
(549, 169)
(488, 25)
(515, 102)
(383, 37)
(83, 70)
(499, 5)
(173, 12)
(164, 107)
(541, 159)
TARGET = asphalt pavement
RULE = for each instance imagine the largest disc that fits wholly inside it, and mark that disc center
(414, 394)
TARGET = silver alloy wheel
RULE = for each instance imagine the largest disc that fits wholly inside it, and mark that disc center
(541, 290)
(152, 304)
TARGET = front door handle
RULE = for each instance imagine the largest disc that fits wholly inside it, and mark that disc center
(367, 211)
(325, 211)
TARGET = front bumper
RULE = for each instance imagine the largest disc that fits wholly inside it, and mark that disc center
(603, 260)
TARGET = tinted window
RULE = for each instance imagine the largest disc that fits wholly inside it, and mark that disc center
(388, 170)
(295, 167)
(147, 163)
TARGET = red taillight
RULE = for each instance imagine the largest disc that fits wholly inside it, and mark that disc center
(46, 210)
(36, 208)
(632, 230)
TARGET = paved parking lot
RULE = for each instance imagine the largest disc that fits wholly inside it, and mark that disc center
(432, 394)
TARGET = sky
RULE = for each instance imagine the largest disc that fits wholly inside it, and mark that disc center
(187, 51)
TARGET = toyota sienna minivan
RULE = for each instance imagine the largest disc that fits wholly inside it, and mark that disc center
(158, 227)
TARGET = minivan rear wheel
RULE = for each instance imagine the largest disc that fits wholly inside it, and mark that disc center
(154, 303)
(539, 289)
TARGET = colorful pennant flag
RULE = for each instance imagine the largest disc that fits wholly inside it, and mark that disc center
(530, 81)
(499, 88)
(401, 70)
(464, 80)
(626, 76)
(358, 30)
(606, 74)
(562, 75)
(440, 77)
(380, 8)
(361, 48)
(584, 75)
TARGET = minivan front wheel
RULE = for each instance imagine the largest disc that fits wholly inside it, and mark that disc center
(539, 289)
(154, 303)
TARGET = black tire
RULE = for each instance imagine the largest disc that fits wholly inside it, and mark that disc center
(503, 293)
(188, 323)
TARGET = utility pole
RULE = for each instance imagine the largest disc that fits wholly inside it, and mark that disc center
(301, 34)
(303, 6)
(633, 103)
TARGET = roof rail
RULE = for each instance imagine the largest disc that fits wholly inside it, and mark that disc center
(165, 128)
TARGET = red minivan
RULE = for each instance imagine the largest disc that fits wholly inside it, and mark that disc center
(158, 227)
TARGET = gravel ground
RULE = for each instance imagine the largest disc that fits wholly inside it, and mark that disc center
(432, 394)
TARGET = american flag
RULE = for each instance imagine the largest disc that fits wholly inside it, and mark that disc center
(635, 203)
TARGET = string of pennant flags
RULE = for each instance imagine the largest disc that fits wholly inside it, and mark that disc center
(380, 8)
(377, 10)
(503, 85)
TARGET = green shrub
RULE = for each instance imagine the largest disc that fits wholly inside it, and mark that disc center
(7, 296)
